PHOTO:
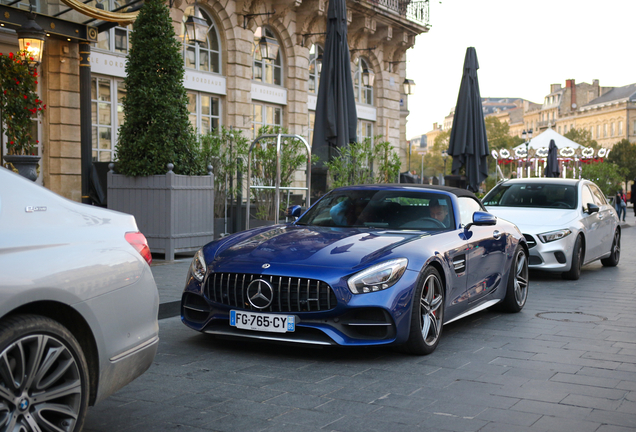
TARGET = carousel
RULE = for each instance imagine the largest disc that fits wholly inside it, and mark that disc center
(530, 158)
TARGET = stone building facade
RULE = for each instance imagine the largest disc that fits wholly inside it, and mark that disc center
(227, 81)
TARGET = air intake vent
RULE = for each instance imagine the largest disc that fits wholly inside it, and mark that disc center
(289, 294)
(530, 240)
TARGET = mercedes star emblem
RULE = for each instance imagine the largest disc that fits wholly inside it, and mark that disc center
(266, 265)
(260, 293)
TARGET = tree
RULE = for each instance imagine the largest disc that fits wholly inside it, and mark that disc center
(623, 154)
(498, 134)
(156, 130)
(606, 175)
(364, 163)
(583, 137)
(433, 161)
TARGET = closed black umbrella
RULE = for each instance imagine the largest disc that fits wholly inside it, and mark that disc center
(552, 165)
(336, 116)
(468, 142)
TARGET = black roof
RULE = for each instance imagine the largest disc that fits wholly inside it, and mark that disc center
(453, 190)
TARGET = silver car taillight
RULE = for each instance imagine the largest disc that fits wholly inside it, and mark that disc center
(139, 242)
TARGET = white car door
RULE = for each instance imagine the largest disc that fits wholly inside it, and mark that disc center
(593, 223)
(606, 216)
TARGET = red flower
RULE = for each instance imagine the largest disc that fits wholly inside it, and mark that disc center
(10, 55)
(31, 57)
(17, 82)
(25, 96)
(37, 142)
(28, 43)
(44, 106)
(11, 142)
(36, 82)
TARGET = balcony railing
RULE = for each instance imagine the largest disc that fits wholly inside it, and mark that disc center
(417, 11)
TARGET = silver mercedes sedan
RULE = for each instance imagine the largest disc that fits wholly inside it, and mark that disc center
(78, 306)
(567, 222)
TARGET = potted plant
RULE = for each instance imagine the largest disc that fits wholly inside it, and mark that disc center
(159, 168)
(20, 104)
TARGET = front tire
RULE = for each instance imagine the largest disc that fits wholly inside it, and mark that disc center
(577, 261)
(427, 316)
(615, 254)
(43, 376)
(517, 289)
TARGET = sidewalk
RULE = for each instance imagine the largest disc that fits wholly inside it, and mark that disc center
(170, 277)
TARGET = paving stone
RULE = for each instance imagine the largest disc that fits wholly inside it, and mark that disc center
(558, 424)
(508, 417)
(552, 409)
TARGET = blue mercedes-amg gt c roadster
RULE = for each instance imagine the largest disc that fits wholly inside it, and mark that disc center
(365, 265)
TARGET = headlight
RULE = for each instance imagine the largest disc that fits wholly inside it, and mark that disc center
(198, 267)
(378, 277)
(554, 235)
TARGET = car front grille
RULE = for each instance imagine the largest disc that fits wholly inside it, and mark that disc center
(289, 294)
(530, 240)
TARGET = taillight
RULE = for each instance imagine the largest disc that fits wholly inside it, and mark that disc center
(139, 242)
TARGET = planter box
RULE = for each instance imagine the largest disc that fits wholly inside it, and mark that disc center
(174, 212)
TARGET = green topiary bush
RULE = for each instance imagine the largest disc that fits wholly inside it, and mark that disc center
(156, 130)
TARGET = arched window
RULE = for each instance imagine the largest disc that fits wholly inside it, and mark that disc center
(266, 70)
(315, 64)
(363, 93)
(204, 56)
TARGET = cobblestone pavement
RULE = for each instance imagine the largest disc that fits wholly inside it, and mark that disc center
(567, 362)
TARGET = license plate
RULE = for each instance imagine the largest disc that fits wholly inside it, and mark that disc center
(262, 322)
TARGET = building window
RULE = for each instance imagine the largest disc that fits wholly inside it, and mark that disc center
(591, 132)
(116, 39)
(107, 115)
(620, 128)
(365, 130)
(605, 130)
(314, 66)
(204, 56)
(598, 131)
(265, 70)
(559, 129)
(205, 112)
(265, 115)
(363, 94)
(612, 129)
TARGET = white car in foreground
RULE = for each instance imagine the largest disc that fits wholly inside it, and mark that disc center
(567, 222)
(78, 306)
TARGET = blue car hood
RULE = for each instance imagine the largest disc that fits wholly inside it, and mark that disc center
(315, 246)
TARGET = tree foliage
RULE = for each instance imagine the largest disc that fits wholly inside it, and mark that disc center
(498, 133)
(606, 175)
(156, 130)
(433, 160)
(364, 163)
(582, 137)
(226, 150)
(623, 154)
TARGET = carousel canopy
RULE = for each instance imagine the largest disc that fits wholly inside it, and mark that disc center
(543, 140)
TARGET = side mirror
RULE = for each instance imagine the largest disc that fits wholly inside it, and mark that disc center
(482, 219)
(592, 208)
(294, 211)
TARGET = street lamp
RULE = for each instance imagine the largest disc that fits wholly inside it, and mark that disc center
(527, 134)
(444, 156)
(368, 77)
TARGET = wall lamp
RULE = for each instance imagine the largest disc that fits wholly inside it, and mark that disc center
(302, 37)
(31, 38)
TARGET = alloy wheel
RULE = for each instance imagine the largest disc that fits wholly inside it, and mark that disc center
(521, 278)
(40, 385)
(431, 311)
(617, 246)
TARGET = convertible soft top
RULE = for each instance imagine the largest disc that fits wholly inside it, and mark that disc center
(453, 190)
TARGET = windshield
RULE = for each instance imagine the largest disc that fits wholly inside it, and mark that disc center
(541, 195)
(409, 210)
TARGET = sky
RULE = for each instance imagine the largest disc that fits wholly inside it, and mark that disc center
(522, 47)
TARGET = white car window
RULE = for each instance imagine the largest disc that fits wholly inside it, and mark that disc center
(587, 196)
(467, 206)
(599, 198)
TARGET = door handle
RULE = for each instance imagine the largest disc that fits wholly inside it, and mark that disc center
(496, 234)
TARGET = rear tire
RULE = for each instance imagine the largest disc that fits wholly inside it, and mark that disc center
(615, 254)
(577, 261)
(43, 376)
(427, 315)
(517, 289)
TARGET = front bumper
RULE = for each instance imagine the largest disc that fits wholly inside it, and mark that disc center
(365, 319)
(555, 256)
